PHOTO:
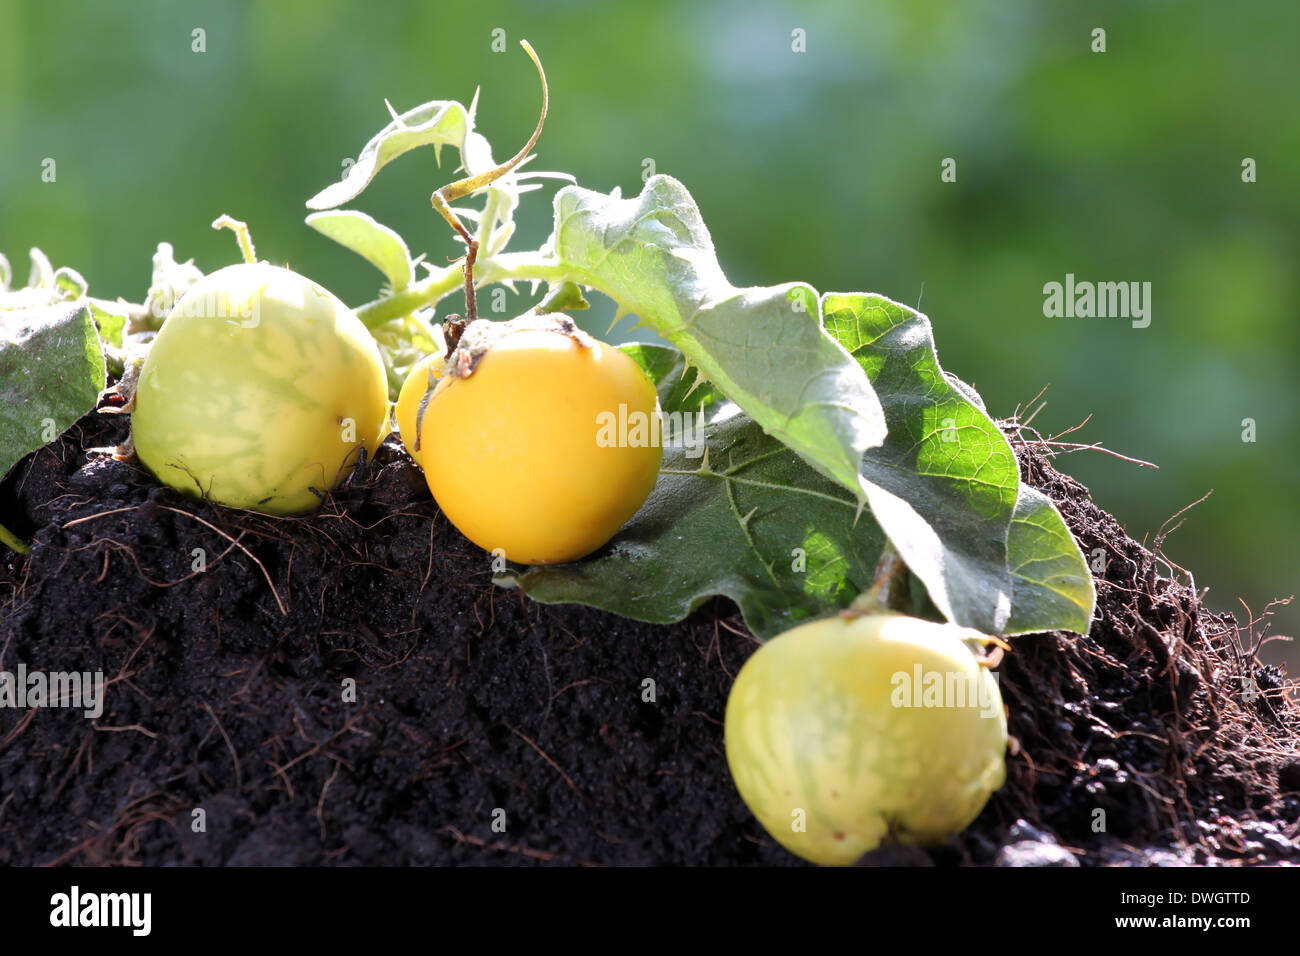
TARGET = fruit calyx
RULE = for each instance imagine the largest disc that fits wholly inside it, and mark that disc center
(480, 335)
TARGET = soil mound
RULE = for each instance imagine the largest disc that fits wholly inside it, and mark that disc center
(1144, 742)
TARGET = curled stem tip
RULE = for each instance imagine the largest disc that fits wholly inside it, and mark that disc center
(242, 234)
(444, 197)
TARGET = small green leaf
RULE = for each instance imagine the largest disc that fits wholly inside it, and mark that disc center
(51, 373)
(70, 283)
(405, 341)
(111, 324)
(944, 483)
(42, 271)
(1052, 587)
(562, 297)
(681, 388)
(171, 280)
(376, 243)
(437, 123)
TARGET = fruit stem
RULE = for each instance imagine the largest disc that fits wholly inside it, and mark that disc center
(241, 233)
(889, 590)
(471, 304)
(12, 541)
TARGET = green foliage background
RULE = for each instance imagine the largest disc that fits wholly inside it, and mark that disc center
(820, 166)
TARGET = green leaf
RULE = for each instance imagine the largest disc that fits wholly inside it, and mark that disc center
(438, 123)
(681, 389)
(111, 325)
(42, 272)
(764, 348)
(70, 283)
(51, 373)
(741, 516)
(405, 341)
(171, 280)
(376, 243)
(944, 483)
(1052, 586)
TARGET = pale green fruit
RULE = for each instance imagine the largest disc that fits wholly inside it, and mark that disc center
(260, 391)
(833, 748)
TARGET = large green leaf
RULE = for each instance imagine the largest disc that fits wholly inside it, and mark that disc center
(1052, 588)
(764, 348)
(753, 522)
(944, 483)
(51, 373)
(681, 388)
(748, 519)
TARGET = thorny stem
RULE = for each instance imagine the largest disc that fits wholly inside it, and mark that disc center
(521, 267)
(413, 297)
(471, 304)
(444, 197)
(440, 283)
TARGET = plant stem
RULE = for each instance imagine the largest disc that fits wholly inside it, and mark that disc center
(416, 296)
(12, 540)
(888, 592)
(241, 233)
(522, 267)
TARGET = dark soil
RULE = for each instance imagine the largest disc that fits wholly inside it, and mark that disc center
(227, 691)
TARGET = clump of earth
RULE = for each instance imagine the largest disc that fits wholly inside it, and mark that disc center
(482, 728)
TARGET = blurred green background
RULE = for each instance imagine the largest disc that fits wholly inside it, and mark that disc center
(822, 166)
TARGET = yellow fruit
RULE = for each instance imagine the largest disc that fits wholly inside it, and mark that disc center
(260, 391)
(421, 379)
(545, 448)
(845, 731)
